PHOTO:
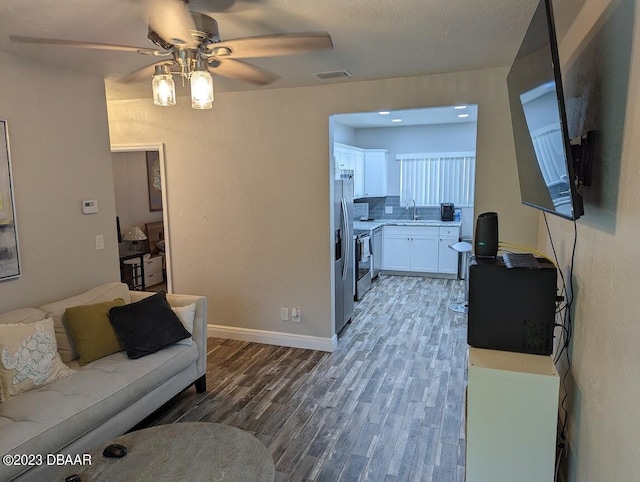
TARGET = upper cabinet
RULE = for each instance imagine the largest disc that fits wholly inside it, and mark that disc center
(369, 168)
(375, 172)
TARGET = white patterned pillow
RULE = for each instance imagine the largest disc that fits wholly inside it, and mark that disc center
(28, 357)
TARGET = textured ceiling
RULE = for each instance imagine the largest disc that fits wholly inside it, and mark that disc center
(373, 39)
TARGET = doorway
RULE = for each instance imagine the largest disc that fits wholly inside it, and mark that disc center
(141, 202)
(403, 165)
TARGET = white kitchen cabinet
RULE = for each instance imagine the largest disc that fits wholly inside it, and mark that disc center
(375, 172)
(512, 413)
(357, 158)
(409, 248)
(421, 249)
(447, 257)
(341, 156)
(424, 253)
(396, 252)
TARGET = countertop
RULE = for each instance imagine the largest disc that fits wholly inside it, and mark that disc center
(403, 222)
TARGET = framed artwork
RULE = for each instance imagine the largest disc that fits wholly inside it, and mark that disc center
(154, 181)
(9, 252)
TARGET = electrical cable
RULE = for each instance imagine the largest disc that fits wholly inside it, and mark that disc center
(564, 340)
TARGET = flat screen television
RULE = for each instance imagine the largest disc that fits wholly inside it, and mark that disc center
(539, 120)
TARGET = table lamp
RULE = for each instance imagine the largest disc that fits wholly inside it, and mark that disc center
(134, 235)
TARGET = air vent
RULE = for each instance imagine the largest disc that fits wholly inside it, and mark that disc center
(336, 74)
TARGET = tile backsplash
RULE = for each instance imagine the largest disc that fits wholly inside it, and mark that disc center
(376, 209)
(360, 210)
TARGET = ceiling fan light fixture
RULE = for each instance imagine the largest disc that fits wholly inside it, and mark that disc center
(164, 89)
(201, 86)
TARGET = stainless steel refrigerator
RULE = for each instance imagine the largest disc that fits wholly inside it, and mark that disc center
(343, 251)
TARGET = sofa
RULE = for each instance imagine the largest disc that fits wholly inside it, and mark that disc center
(102, 399)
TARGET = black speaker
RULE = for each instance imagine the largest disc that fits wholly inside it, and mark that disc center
(486, 238)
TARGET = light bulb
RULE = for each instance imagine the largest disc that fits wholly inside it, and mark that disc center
(201, 89)
(164, 89)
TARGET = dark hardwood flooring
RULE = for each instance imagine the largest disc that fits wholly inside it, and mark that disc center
(387, 405)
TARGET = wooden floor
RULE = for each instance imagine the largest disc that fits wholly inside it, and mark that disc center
(387, 405)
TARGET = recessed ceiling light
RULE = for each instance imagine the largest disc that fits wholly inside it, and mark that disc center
(460, 107)
(463, 115)
(384, 112)
(396, 120)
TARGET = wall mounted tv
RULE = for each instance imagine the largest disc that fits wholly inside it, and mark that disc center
(538, 115)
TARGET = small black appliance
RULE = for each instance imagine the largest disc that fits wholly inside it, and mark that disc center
(446, 211)
(511, 309)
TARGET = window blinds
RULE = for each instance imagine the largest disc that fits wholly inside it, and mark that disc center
(430, 179)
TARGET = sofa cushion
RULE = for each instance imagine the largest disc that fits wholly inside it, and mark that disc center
(22, 315)
(91, 330)
(146, 326)
(106, 292)
(28, 357)
(47, 420)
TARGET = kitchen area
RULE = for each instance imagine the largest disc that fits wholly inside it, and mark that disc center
(403, 195)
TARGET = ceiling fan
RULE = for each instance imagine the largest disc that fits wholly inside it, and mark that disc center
(190, 45)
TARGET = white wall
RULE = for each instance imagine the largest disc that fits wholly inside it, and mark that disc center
(460, 137)
(60, 156)
(131, 190)
(249, 187)
(604, 383)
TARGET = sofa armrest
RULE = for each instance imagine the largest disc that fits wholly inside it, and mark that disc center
(199, 334)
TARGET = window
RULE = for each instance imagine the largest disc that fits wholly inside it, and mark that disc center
(430, 179)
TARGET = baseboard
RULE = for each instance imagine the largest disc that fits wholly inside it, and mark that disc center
(273, 338)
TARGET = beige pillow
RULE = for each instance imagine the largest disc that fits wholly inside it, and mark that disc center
(28, 357)
(91, 330)
(186, 314)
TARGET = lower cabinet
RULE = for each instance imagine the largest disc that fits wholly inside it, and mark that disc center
(447, 257)
(410, 248)
(421, 249)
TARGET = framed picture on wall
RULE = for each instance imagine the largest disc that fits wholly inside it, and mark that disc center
(153, 180)
(9, 252)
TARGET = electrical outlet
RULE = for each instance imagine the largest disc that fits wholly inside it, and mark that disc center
(99, 241)
(284, 314)
(388, 209)
(295, 315)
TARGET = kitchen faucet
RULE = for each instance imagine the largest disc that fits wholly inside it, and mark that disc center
(415, 214)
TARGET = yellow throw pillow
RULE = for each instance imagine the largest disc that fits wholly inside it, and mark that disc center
(28, 357)
(91, 330)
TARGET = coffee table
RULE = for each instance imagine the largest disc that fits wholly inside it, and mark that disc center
(182, 451)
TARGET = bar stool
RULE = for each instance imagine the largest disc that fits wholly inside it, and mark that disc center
(464, 248)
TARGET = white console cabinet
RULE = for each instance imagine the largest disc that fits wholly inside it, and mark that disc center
(512, 412)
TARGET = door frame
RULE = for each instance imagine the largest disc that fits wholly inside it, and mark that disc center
(159, 147)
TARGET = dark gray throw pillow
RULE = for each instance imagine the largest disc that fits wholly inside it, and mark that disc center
(146, 326)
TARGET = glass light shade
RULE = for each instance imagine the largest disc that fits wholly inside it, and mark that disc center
(201, 89)
(164, 89)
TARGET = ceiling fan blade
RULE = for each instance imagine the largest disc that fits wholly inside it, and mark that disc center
(237, 69)
(171, 20)
(78, 44)
(144, 73)
(273, 45)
